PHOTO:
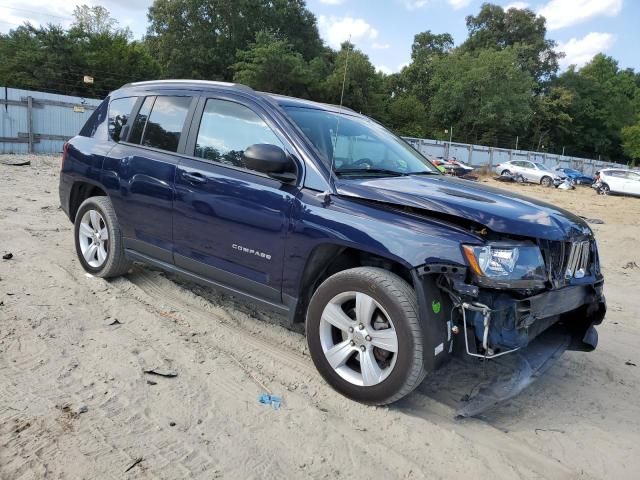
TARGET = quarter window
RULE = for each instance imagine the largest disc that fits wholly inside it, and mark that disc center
(119, 112)
(227, 129)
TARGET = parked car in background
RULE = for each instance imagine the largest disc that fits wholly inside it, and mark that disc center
(533, 172)
(618, 181)
(452, 167)
(577, 176)
(467, 168)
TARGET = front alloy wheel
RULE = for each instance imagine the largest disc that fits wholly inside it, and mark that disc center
(365, 335)
(358, 338)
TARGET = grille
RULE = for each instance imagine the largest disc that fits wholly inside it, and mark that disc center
(577, 262)
(567, 260)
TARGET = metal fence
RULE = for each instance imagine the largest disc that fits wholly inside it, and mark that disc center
(478, 155)
(38, 122)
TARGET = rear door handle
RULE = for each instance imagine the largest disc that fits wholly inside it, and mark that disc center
(194, 177)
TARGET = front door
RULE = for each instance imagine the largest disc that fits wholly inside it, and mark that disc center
(230, 222)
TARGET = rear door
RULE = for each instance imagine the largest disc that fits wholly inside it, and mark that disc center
(140, 172)
(632, 183)
(616, 179)
(230, 222)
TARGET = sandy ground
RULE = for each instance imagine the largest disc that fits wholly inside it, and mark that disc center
(59, 353)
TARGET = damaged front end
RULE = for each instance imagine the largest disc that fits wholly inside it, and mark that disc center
(510, 293)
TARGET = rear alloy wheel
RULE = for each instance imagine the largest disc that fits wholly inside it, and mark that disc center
(98, 238)
(546, 181)
(93, 238)
(364, 335)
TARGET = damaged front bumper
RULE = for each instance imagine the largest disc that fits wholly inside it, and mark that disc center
(522, 334)
(489, 322)
(503, 323)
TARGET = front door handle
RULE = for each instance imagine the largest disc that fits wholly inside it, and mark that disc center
(194, 177)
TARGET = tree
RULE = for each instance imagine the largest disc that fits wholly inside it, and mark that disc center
(416, 78)
(199, 39)
(94, 20)
(272, 65)
(603, 103)
(52, 59)
(485, 96)
(631, 142)
(362, 85)
(406, 115)
(520, 29)
(550, 119)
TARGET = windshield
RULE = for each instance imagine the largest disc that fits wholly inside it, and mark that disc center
(358, 146)
(541, 166)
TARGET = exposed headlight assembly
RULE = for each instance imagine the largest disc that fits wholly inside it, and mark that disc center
(507, 265)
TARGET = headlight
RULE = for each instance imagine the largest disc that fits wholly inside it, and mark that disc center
(506, 264)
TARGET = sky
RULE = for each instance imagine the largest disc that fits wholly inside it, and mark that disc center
(384, 29)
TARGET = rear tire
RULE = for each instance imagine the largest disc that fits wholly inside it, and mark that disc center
(98, 239)
(386, 307)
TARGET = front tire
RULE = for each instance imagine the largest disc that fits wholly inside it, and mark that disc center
(98, 239)
(364, 335)
(546, 182)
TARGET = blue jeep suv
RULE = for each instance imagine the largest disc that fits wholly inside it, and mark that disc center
(323, 215)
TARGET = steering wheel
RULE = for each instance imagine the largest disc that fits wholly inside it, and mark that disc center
(363, 161)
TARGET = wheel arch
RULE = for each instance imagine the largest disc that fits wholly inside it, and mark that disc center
(80, 191)
(328, 259)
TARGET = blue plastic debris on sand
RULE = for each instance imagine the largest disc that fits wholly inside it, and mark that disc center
(272, 400)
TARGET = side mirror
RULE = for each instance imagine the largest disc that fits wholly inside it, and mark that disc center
(270, 159)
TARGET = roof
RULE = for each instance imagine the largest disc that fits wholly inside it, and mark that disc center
(188, 83)
(281, 100)
(285, 101)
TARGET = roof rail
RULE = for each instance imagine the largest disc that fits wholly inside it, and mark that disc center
(186, 81)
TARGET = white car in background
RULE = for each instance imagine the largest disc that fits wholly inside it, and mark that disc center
(533, 172)
(620, 181)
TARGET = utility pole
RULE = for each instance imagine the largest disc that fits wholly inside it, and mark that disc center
(450, 138)
(517, 138)
(563, 151)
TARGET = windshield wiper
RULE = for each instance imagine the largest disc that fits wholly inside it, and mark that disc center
(368, 171)
(425, 172)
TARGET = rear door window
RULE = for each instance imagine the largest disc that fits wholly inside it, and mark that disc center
(141, 120)
(160, 122)
(119, 112)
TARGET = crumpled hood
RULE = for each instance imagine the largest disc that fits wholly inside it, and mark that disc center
(498, 210)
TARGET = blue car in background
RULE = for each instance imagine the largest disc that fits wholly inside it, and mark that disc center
(578, 177)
